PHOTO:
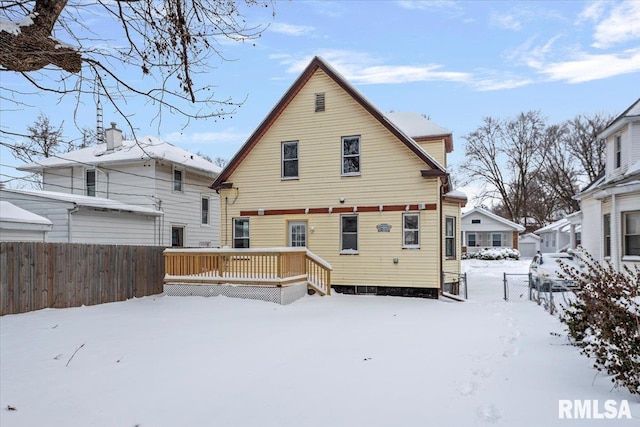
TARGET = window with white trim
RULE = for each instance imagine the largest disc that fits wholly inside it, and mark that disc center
(471, 240)
(450, 237)
(241, 233)
(290, 159)
(349, 234)
(351, 155)
(410, 230)
(90, 179)
(476, 221)
(178, 178)
(631, 240)
(204, 210)
(177, 235)
(618, 151)
(496, 240)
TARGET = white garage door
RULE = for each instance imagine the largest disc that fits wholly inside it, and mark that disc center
(527, 250)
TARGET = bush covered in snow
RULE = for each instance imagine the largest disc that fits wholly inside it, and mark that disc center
(604, 319)
(495, 253)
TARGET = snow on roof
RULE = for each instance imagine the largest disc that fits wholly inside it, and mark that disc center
(87, 201)
(498, 218)
(148, 147)
(554, 226)
(456, 194)
(415, 124)
(529, 236)
(12, 213)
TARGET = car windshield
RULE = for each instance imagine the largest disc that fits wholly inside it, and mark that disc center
(559, 256)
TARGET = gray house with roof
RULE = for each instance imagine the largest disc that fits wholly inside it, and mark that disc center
(143, 191)
(484, 229)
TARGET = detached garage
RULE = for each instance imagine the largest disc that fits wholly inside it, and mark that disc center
(20, 225)
(84, 219)
(529, 245)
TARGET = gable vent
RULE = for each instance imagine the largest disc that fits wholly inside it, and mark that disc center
(319, 102)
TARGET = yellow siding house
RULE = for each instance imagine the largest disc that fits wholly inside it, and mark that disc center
(366, 191)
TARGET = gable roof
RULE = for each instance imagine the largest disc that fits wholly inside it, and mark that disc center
(315, 64)
(483, 211)
(630, 114)
(145, 148)
(86, 201)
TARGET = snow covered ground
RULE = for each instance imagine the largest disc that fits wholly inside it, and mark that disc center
(332, 361)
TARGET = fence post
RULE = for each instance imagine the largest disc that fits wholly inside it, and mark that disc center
(504, 281)
(530, 286)
(466, 286)
(551, 298)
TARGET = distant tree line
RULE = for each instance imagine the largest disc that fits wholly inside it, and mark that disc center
(531, 169)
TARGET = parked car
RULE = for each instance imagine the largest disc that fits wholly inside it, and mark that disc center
(545, 271)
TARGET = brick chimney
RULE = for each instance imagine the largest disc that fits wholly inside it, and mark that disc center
(114, 137)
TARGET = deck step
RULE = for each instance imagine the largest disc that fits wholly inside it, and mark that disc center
(318, 290)
(453, 297)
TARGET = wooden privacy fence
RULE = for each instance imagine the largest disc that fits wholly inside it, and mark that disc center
(35, 275)
(269, 266)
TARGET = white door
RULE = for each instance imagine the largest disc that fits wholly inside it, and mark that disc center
(297, 234)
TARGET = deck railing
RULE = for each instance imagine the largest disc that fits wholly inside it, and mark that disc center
(269, 266)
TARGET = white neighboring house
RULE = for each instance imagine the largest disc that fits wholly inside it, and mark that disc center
(85, 219)
(147, 173)
(555, 237)
(611, 204)
(20, 225)
(484, 229)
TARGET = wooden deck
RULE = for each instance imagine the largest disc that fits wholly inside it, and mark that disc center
(262, 267)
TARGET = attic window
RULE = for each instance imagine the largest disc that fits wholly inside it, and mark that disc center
(319, 102)
(475, 221)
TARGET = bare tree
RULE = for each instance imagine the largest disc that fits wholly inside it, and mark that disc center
(581, 140)
(219, 161)
(507, 155)
(559, 174)
(42, 140)
(56, 47)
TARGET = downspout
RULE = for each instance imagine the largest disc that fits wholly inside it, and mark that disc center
(71, 211)
(226, 220)
(440, 233)
(615, 254)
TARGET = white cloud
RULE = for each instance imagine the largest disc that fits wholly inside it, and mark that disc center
(622, 25)
(506, 21)
(362, 68)
(501, 83)
(427, 5)
(592, 12)
(587, 67)
(290, 29)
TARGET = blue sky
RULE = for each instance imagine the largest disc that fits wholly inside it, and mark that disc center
(456, 62)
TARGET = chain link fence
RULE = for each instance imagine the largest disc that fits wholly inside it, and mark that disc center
(553, 296)
(516, 286)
